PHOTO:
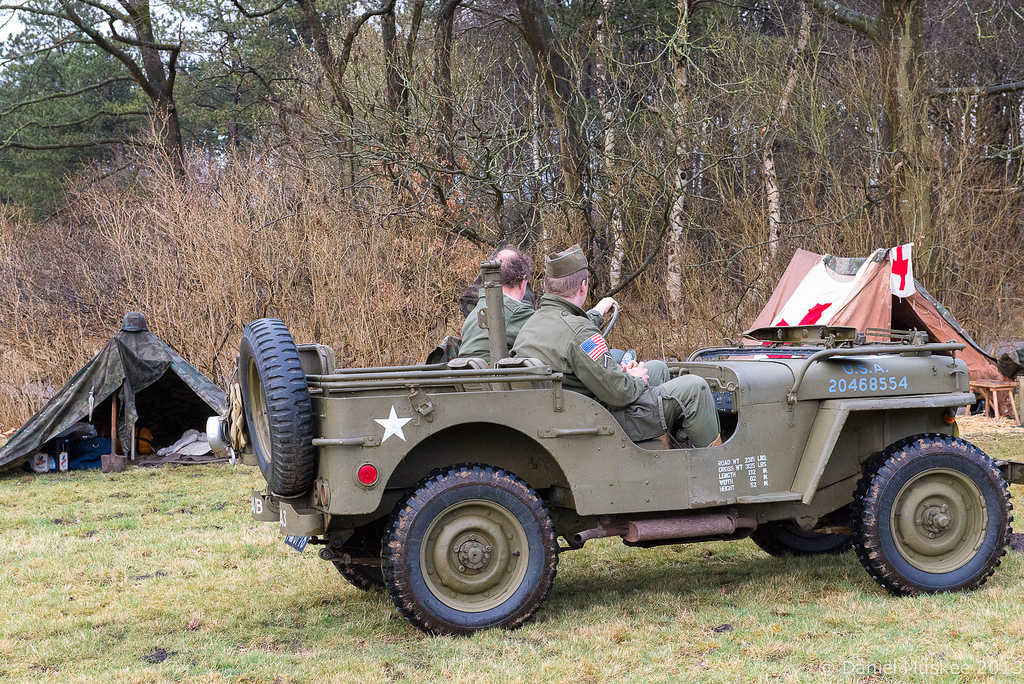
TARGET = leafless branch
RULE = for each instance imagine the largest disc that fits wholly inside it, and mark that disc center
(993, 89)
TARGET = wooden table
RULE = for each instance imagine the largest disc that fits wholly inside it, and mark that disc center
(989, 391)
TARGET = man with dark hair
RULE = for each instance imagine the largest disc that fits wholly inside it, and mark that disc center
(514, 276)
(471, 296)
(641, 396)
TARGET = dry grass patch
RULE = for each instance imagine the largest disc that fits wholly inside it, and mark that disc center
(162, 576)
(983, 426)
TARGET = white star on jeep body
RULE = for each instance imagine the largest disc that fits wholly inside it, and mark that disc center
(392, 425)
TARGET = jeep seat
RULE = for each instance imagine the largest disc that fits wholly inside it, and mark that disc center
(470, 363)
(524, 362)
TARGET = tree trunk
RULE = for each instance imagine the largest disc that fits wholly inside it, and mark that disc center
(900, 46)
(160, 85)
(554, 74)
(334, 67)
(538, 222)
(393, 72)
(334, 70)
(170, 135)
(897, 32)
(445, 95)
(771, 180)
(676, 232)
(612, 204)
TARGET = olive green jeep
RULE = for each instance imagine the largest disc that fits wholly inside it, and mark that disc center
(450, 484)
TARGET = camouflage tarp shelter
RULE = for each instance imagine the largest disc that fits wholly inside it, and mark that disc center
(155, 387)
(869, 303)
(1011, 364)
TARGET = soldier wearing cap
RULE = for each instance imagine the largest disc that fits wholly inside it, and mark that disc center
(515, 274)
(641, 396)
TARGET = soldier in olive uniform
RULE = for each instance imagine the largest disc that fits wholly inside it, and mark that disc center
(641, 396)
(515, 275)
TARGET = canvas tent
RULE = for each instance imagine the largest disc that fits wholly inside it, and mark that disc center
(856, 292)
(154, 386)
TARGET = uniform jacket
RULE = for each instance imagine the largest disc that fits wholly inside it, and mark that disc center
(474, 338)
(566, 338)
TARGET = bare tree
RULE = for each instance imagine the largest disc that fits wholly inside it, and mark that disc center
(612, 209)
(553, 70)
(678, 136)
(443, 40)
(771, 179)
(897, 33)
(335, 64)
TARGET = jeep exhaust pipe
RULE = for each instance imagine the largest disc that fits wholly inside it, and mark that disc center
(713, 525)
(599, 532)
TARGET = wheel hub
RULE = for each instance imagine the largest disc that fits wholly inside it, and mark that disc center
(935, 519)
(939, 520)
(474, 555)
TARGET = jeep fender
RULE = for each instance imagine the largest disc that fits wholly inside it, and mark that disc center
(832, 418)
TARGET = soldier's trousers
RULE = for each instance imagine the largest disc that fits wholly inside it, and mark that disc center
(668, 404)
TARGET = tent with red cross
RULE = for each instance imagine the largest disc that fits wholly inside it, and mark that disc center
(876, 293)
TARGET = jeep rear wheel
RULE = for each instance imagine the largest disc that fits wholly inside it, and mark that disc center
(932, 515)
(790, 539)
(470, 548)
(365, 544)
(362, 577)
(278, 411)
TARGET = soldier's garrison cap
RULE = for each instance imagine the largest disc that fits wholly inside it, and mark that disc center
(561, 264)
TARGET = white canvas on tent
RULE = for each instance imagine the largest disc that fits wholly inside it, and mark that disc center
(821, 294)
(870, 303)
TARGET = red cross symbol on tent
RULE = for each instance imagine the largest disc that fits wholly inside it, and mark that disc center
(900, 267)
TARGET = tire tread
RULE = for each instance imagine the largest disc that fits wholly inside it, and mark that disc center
(290, 467)
(884, 467)
(396, 541)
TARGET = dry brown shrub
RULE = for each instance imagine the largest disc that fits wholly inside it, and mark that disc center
(202, 259)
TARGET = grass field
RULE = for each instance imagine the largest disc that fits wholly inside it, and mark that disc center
(162, 576)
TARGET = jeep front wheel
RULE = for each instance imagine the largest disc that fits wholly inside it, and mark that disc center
(364, 544)
(471, 547)
(362, 577)
(932, 515)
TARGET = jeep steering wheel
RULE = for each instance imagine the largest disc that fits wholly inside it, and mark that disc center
(615, 316)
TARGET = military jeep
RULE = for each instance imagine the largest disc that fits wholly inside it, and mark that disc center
(449, 484)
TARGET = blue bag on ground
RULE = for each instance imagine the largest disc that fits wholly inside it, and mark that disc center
(85, 454)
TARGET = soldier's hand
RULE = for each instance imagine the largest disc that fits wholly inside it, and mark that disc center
(637, 370)
(605, 305)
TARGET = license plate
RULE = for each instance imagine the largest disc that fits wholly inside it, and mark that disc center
(297, 543)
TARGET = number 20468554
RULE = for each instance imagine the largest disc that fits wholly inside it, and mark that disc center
(871, 384)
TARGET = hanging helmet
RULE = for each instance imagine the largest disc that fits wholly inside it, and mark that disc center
(134, 322)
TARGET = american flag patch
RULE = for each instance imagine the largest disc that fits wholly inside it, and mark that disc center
(595, 346)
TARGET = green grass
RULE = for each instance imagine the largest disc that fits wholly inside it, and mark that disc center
(104, 573)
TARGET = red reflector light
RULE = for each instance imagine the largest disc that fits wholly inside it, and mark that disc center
(949, 415)
(367, 474)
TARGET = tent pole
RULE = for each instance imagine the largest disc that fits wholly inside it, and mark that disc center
(113, 424)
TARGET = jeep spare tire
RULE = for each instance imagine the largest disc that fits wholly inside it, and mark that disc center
(278, 411)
